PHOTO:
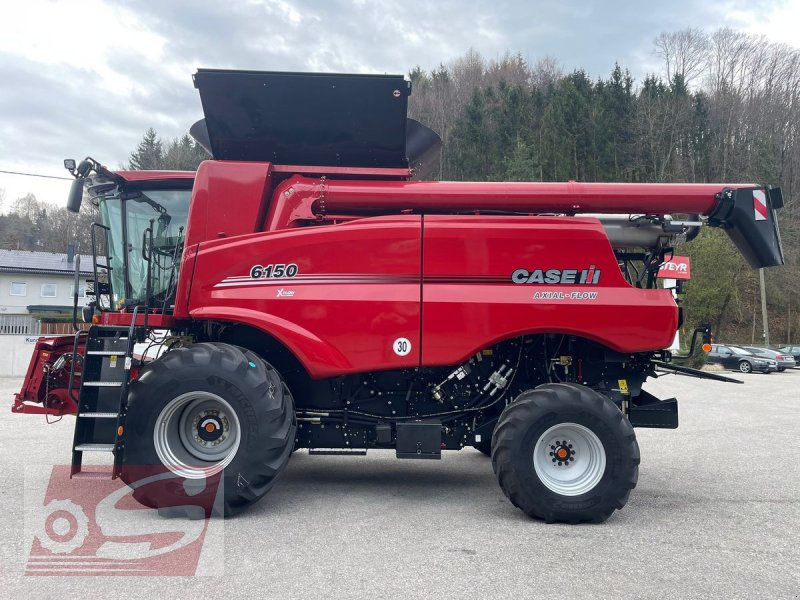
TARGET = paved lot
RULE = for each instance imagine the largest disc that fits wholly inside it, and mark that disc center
(716, 514)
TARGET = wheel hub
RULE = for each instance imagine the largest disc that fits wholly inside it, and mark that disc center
(562, 452)
(197, 434)
(211, 429)
(569, 459)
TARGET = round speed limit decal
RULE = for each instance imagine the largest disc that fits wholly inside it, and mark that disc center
(401, 346)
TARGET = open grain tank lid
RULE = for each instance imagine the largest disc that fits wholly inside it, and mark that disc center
(312, 119)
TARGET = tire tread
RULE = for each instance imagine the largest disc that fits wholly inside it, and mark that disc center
(534, 405)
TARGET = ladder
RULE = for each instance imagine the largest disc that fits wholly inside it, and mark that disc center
(102, 400)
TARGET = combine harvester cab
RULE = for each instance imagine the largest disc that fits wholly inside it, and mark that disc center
(308, 288)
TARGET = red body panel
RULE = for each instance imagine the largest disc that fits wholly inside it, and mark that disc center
(460, 318)
(357, 290)
(154, 319)
(228, 202)
(367, 281)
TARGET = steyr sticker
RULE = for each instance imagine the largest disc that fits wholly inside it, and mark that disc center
(401, 346)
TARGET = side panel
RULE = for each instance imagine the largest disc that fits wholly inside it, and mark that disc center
(470, 300)
(228, 199)
(343, 296)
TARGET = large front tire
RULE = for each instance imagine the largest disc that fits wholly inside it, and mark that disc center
(208, 413)
(563, 452)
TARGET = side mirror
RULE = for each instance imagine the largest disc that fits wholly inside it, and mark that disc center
(84, 167)
(75, 195)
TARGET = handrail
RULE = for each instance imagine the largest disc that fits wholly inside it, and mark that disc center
(70, 385)
(107, 267)
(75, 292)
(176, 255)
(149, 259)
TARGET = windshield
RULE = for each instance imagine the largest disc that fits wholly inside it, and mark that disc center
(130, 217)
(739, 351)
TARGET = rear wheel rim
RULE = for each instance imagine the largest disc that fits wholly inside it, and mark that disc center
(569, 459)
(197, 435)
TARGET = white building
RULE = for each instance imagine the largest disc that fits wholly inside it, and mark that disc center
(35, 282)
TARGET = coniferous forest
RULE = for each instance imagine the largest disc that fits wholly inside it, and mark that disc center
(723, 107)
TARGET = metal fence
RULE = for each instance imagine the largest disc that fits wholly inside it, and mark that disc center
(19, 325)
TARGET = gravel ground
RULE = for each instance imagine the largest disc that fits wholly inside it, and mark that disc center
(716, 514)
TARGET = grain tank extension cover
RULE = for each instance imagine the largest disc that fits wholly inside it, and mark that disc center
(306, 118)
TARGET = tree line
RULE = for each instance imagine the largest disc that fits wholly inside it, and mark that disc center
(31, 224)
(724, 108)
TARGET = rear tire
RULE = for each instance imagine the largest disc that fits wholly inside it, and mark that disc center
(601, 456)
(249, 415)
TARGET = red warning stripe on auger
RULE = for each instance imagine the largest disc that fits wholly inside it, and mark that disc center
(760, 205)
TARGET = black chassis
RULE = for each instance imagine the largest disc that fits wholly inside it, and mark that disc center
(387, 408)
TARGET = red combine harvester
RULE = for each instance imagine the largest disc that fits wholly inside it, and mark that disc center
(304, 289)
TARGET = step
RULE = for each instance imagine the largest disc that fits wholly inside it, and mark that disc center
(102, 383)
(337, 452)
(94, 448)
(99, 415)
(106, 352)
(93, 475)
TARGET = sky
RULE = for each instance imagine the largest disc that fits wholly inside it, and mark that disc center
(88, 77)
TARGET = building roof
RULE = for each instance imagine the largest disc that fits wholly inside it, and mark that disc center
(45, 263)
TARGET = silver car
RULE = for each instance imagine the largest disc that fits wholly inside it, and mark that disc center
(740, 359)
(784, 361)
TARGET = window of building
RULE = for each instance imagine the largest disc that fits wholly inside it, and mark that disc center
(19, 288)
(81, 291)
(48, 290)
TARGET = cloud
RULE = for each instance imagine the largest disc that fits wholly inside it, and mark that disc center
(90, 77)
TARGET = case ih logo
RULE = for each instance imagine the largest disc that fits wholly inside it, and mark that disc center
(95, 527)
(590, 276)
(678, 267)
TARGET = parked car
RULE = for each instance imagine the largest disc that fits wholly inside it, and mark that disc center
(793, 350)
(739, 359)
(785, 361)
